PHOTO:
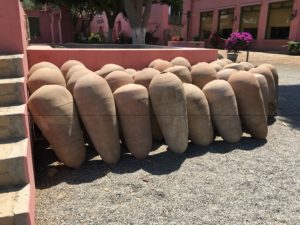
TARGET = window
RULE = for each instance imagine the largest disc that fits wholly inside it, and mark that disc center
(278, 26)
(226, 17)
(206, 19)
(175, 15)
(34, 26)
(249, 19)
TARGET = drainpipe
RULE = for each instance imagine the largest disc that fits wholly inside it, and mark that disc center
(59, 27)
(188, 25)
(51, 25)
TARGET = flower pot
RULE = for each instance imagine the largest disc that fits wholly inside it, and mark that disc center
(232, 56)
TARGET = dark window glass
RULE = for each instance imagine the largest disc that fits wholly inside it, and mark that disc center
(278, 26)
(226, 17)
(175, 16)
(34, 26)
(249, 19)
(205, 24)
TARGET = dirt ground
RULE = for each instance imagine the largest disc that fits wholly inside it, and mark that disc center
(251, 182)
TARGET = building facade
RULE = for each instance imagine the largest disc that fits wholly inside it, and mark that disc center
(271, 22)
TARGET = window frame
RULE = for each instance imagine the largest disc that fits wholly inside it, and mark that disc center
(39, 26)
(219, 17)
(268, 19)
(241, 17)
(200, 25)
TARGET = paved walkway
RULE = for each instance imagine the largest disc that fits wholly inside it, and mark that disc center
(252, 182)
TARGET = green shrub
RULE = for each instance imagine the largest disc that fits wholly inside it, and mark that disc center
(294, 47)
(196, 38)
(96, 39)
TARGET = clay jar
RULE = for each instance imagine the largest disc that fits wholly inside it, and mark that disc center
(45, 76)
(250, 103)
(169, 105)
(266, 72)
(144, 77)
(108, 68)
(203, 73)
(263, 83)
(75, 69)
(235, 66)
(133, 110)
(118, 79)
(276, 80)
(246, 65)
(225, 74)
(75, 77)
(224, 110)
(54, 112)
(96, 107)
(222, 63)
(199, 121)
(160, 64)
(41, 65)
(181, 61)
(217, 66)
(182, 72)
(130, 71)
(68, 65)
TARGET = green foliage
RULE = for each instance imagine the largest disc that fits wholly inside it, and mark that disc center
(294, 47)
(124, 39)
(96, 38)
(177, 5)
(30, 4)
(196, 38)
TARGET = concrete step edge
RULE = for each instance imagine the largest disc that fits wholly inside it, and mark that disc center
(13, 162)
(16, 205)
(11, 66)
(12, 91)
(13, 122)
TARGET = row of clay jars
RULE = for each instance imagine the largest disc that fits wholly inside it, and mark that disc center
(180, 148)
(203, 73)
(267, 70)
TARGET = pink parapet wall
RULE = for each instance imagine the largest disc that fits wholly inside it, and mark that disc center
(95, 58)
(13, 36)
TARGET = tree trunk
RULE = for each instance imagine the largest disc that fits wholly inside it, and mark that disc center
(138, 35)
(110, 35)
(138, 16)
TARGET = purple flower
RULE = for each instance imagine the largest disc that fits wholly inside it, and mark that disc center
(238, 41)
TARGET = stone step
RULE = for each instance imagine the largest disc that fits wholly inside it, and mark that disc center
(11, 66)
(12, 91)
(13, 163)
(13, 122)
(16, 205)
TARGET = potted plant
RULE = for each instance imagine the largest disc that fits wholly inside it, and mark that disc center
(215, 40)
(236, 42)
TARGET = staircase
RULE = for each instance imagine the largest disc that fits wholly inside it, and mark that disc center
(16, 169)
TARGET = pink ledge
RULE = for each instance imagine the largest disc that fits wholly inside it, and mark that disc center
(95, 58)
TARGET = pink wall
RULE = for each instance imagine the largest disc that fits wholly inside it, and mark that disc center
(199, 6)
(50, 19)
(14, 40)
(13, 36)
(100, 23)
(128, 58)
(158, 20)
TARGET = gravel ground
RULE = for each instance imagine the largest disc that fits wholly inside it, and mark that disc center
(252, 182)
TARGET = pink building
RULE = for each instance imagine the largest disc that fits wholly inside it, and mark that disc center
(271, 22)
(50, 26)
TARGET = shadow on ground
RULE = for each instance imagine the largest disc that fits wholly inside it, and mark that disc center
(50, 173)
(289, 105)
